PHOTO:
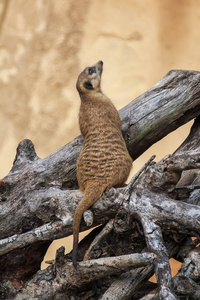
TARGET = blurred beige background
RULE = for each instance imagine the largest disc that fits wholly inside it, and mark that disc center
(44, 44)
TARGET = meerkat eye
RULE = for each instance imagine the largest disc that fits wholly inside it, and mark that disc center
(91, 70)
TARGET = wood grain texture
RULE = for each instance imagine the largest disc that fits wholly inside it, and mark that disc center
(39, 196)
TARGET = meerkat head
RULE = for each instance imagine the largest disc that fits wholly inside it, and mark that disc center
(90, 79)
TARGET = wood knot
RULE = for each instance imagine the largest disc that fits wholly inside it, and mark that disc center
(3, 190)
(2, 187)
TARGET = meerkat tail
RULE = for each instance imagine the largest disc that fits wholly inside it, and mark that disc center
(91, 195)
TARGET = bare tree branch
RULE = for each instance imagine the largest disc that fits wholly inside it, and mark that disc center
(39, 196)
(155, 244)
(87, 272)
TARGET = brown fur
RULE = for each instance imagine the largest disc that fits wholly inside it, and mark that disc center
(104, 161)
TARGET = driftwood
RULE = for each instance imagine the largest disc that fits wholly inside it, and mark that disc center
(142, 225)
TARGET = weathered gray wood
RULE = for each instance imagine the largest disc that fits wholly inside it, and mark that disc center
(63, 203)
(172, 102)
(38, 197)
(155, 244)
(87, 272)
(186, 281)
(166, 212)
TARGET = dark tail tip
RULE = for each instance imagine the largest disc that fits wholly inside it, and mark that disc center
(74, 262)
(74, 257)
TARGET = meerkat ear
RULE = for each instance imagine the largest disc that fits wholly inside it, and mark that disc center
(88, 85)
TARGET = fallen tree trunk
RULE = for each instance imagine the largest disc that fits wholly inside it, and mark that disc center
(39, 196)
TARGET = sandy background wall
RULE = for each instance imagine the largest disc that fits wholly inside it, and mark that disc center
(44, 44)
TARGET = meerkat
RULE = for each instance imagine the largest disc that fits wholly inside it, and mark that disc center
(104, 161)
